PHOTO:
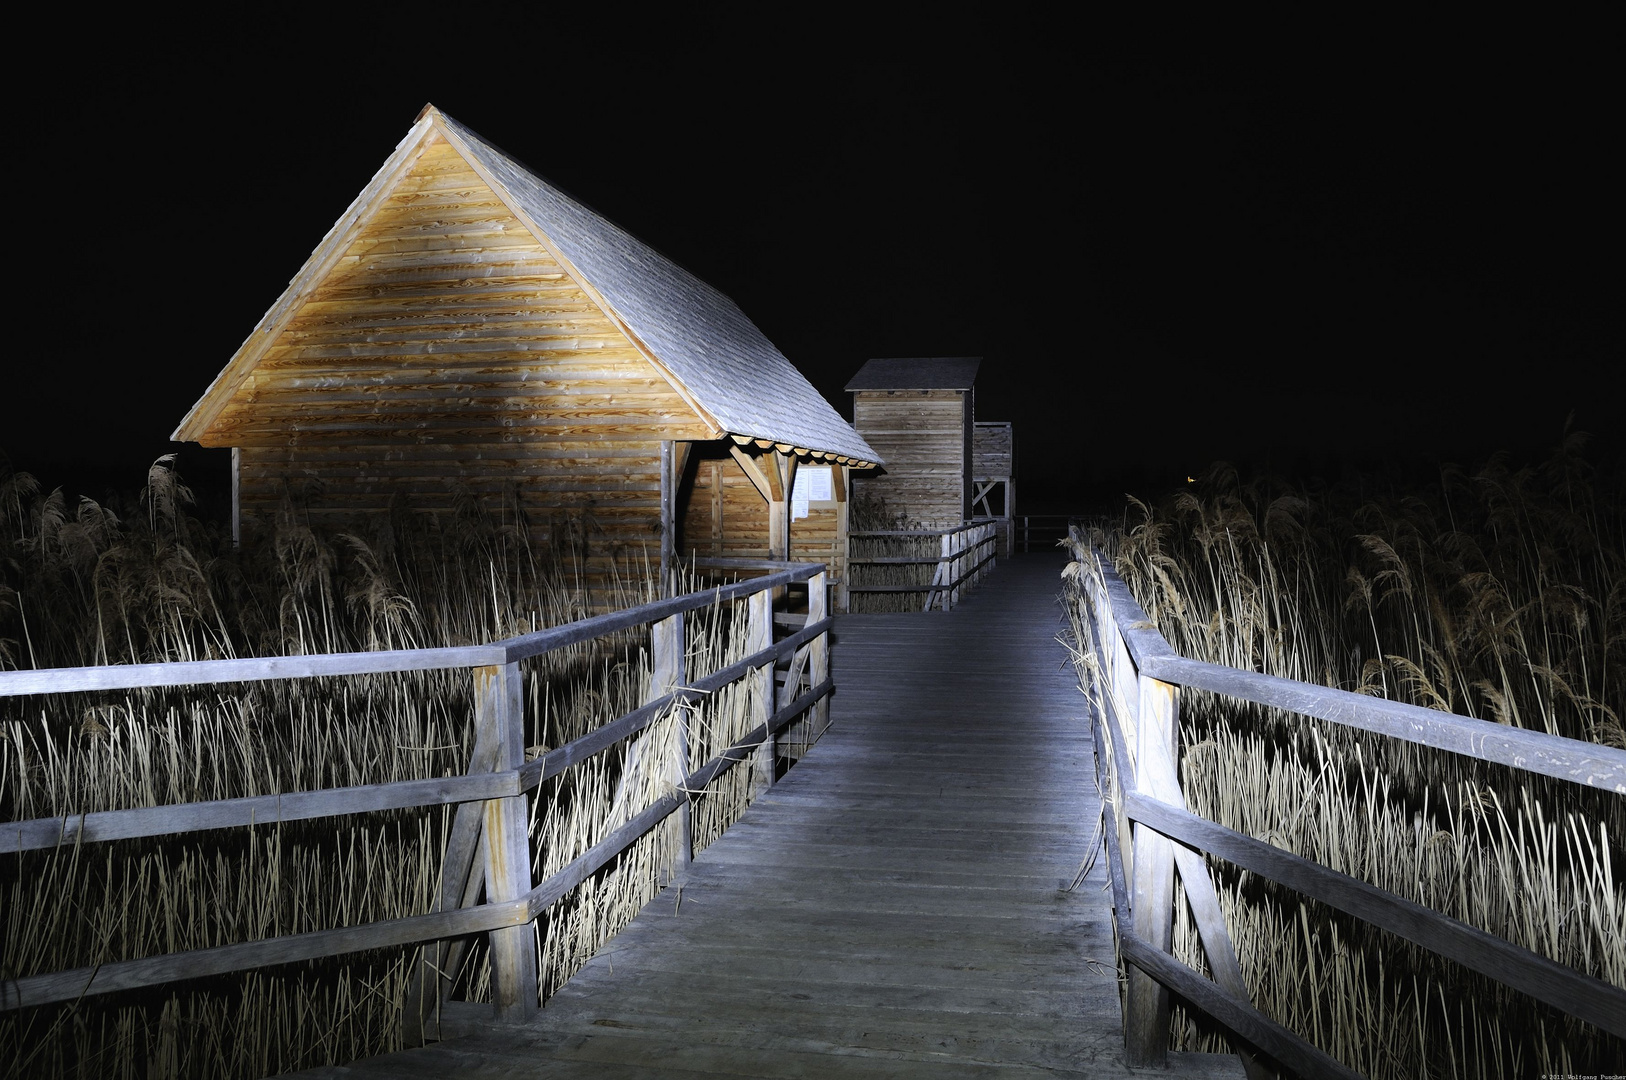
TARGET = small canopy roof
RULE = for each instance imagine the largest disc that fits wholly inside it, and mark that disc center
(716, 357)
(917, 373)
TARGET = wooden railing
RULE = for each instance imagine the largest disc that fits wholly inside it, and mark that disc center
(1149, 833)
(1040, 532)
(966, 554)
(488, 837)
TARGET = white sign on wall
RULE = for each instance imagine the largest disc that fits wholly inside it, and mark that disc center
(813, 484)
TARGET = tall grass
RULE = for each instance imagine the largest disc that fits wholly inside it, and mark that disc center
(1499, 594)
(870, 513)
(148, 582)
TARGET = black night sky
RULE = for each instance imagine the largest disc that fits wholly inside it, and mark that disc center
(1311, 247)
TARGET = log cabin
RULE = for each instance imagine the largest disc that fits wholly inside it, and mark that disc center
(467, 328)
(918, 412)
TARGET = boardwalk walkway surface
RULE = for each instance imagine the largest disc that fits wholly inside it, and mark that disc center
(894, 907)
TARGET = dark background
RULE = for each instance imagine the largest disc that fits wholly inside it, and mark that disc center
(1310, 247)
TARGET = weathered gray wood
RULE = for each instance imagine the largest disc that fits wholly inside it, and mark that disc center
(759, 635)
(200, 963)
(818, 596)
(666, 649)
(1580, 995)
(257, 669)
(557, 637)
(556, 761)
(1533, 751)
(1260, 1030)
(499, 716)
(439, 962)
(1146, 1013)
(39, 833)
(1157, 775)
(1580, 762)
(668, 515)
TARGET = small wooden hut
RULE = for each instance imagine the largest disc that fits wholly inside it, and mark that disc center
(465, 327)
(918, 413)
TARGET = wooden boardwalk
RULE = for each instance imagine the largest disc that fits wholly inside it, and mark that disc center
(894, 907)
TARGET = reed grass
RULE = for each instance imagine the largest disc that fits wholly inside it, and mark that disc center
(870, 513)
(1499, 594)
(149, 582)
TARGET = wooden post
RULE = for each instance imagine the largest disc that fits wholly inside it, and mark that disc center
(236, 496)
(462, 874)
(839, 480)
(717, 508)
(668, 522)
(666, 647)
(818, 653)
(1146, 1038)
(499, 716)
(759, 635)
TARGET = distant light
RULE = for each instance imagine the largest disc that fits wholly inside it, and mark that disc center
(1191, 479)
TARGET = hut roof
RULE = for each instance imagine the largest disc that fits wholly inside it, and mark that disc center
(714, 355)
(917, 373)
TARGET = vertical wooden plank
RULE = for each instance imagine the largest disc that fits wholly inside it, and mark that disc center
(236, 496)
(668, 522)
(499, 714)
(666, 647)
(1146, 1038)
(717, 508)
(462, 874)
(818, 655)
(759, 635)
(839, 480)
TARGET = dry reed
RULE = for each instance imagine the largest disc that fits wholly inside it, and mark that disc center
(152, 583)
(1500, 595)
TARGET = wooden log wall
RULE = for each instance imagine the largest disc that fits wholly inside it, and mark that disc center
(924, 436)
(724, 515)
(447, 349)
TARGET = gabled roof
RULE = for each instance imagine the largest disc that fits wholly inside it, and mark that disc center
(917, 373)
(701, 341)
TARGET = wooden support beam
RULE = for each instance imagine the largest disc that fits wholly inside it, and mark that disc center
(499, 715)
(759, 635)
(669, 482)
(462, 875)
(1146, 1038)
(666, 647)
(753, 472)
(818, 653)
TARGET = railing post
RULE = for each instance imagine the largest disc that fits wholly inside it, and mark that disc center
(666, 649)
(499, 717)
(462, 873)
(946, 569)
(818, 652)
(1146, 1038)
(759, 635)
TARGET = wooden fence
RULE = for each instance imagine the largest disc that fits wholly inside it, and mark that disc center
(965, 553)
(489, 837)
(1150, 834)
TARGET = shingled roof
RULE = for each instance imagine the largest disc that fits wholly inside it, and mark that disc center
(917, 373)
(741, 384)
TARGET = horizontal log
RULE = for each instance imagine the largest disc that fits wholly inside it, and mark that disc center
(257, 669)
(1585, 763)
(255, 810)
(542, 641)
(1589, 999)
(1301, 1057)
(224, 959)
